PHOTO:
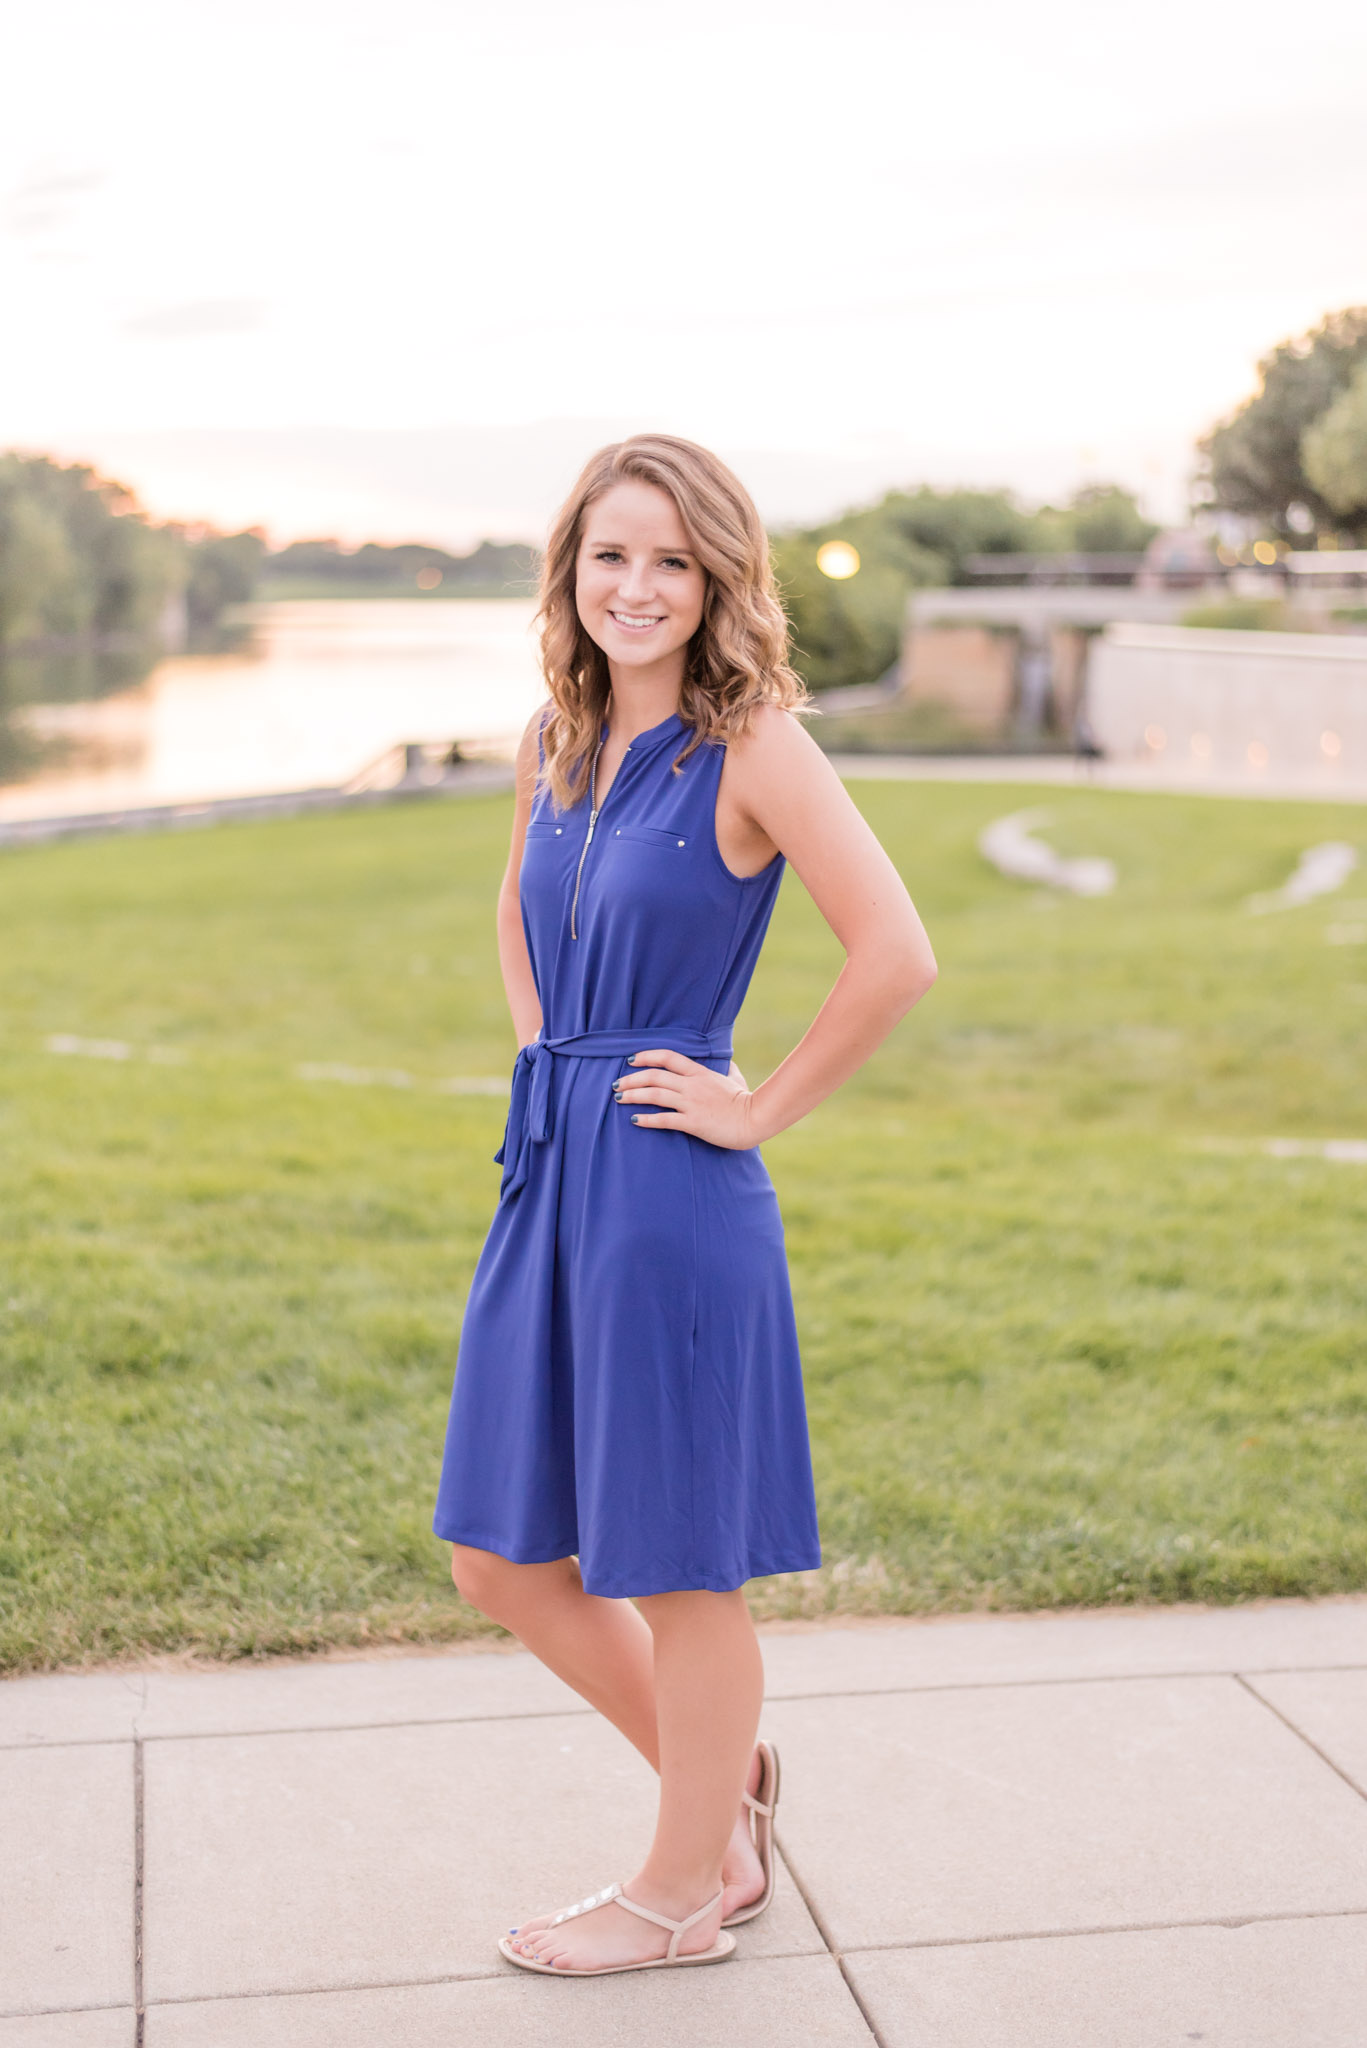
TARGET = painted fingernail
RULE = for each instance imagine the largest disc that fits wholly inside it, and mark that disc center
(635, 1119)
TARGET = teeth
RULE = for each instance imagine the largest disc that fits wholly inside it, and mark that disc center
(636, 618)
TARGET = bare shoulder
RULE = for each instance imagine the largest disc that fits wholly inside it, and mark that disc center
(529, 754)
(775, 751)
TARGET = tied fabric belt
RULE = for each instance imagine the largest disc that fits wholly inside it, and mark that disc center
(530, 1112)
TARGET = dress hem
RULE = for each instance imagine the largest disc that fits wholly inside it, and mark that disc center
(616, 1589)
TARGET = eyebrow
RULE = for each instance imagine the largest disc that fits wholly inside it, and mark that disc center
(594, 541)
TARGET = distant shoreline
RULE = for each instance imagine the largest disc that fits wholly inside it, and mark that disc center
(304, 590)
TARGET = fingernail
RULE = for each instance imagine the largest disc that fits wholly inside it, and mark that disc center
(635, 1119)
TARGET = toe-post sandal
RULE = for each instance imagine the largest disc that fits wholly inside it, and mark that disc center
(613, 1895)
(762, 1803)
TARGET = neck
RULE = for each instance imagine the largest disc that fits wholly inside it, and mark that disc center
(642, 697)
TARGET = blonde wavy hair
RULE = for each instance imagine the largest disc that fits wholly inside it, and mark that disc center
(737, 659)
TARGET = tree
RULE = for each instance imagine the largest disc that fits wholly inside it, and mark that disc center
(41, 588)
(851, 631)
(1104, 519)
(1334, 452)
(79, 559)
(1254, 461)
(223, 571)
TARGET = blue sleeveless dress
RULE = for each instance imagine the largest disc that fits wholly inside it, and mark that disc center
(628, 1388)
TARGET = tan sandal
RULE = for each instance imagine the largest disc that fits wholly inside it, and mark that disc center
(613, 1895)
(762, 1803)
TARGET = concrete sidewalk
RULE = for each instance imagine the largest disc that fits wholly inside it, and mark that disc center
(1113, 1830)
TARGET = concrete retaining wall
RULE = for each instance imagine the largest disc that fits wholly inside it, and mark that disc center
(1260, 703)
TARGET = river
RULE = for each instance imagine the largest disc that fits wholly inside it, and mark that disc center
(312, 694)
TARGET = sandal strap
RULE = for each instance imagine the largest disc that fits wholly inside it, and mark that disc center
(677, 1928)
(606, 1897)
(757, 1805)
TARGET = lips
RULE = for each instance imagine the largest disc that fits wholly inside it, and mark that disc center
(636, 622)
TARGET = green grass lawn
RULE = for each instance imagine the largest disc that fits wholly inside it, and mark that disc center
(1071, 1335)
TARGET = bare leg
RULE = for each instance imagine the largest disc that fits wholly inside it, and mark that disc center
(600, 1647)
(605, 1651)
(709, 1684)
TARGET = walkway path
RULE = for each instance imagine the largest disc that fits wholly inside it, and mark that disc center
(1115, 1830)
(1069, 771)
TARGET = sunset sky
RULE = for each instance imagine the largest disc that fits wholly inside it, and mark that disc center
(300, 264)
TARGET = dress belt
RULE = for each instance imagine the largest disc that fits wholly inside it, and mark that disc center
(531, 1117)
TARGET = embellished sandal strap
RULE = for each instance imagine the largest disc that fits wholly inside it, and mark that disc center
(606, 1897)
(677, 1928)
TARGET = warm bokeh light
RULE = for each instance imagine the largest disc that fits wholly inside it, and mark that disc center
(1265, 551)
(428, 579)
(1257, 754)
(1155, 738)
(838, 560)
(1331, 744)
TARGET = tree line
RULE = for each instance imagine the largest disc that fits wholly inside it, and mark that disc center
(81, 562)
(493, 569)
(849, 631)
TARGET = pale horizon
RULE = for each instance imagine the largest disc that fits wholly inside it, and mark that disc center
(302, 270)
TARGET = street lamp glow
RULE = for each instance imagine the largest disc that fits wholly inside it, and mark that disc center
(838, 560)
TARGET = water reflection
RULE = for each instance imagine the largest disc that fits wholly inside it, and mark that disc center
(34, 677)
(297, 695)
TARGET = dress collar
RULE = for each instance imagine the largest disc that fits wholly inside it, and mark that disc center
(654, 735)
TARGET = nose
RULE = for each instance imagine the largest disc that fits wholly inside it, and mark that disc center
(637, 582)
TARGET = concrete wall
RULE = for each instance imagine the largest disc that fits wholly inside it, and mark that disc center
(965, 667)
(998, 657)
(1218, 702)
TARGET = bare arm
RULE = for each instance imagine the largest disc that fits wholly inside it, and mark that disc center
(518, 984)
(792, 798)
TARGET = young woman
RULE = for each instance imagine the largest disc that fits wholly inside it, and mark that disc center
(628, 1443)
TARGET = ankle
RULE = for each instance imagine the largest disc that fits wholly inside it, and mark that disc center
(677, 1892)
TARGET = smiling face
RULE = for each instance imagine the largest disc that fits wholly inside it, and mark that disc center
(639, 585)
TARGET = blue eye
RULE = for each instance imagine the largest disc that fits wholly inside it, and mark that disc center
(673, 562)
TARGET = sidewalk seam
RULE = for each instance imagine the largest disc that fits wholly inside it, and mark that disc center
(1231, 1920)
(139, 1835)
(818, 1921)
(838, 1956)
(1241, 1675)
(1299, 1733)
(492, 1975)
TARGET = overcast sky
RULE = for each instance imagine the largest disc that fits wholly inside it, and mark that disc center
(851, 244)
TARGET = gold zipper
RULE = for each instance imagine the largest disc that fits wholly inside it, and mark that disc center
(579, 873)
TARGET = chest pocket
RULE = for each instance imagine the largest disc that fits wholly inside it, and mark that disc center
(654, 835)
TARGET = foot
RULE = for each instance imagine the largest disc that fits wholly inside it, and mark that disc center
(610, 1937)
(742, 1873)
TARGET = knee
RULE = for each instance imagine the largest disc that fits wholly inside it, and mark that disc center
(483, 1579)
